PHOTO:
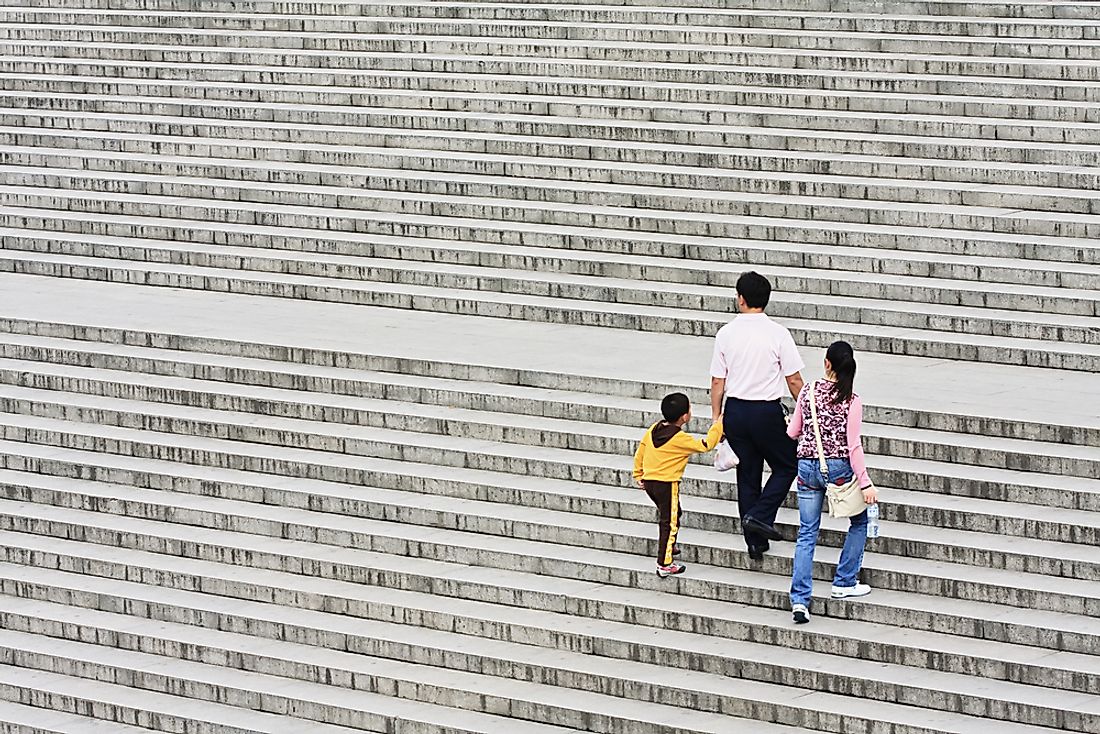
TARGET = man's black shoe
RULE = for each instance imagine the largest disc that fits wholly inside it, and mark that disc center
(752, 525)
(756, 552)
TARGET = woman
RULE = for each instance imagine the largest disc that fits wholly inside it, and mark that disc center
(840, 417)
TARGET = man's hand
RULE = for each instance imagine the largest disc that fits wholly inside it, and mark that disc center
(870, 495)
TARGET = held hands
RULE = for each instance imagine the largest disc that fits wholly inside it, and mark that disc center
(870, 495)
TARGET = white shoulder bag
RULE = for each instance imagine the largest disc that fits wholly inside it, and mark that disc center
(845, 500)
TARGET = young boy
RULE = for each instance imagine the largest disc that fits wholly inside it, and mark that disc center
(658, 467)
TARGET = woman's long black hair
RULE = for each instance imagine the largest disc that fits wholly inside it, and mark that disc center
(842, 357)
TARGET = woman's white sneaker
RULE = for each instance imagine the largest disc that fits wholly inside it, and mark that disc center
(800, 614)
(848, 592)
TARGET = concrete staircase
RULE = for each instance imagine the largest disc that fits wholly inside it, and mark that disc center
(327, 330)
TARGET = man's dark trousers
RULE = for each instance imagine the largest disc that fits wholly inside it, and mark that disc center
(757, 432)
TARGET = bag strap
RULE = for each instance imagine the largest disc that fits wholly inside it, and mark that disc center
(817, 431)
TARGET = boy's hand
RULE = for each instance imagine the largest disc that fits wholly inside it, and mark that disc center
(640, 483)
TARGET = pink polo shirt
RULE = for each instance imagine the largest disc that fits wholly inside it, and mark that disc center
(755, 355)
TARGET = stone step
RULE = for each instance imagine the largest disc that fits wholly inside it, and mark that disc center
(606, 638)
(605, 497)
(949, 9)
(265, 689)
(472, 431)
(691, 211)
(479, 112)
(165, 595)
(19, 718)
(678, 189)
(1029, 12)
(886, 441)
(869, 337)
(977, 282)
(531, 243)
(875, 178)
(915, 475)
(938, 159)
(956, 547)
(601, 413)
(679, 708)
(861, 304)
(37, 701)
(367, 642)
(942, 396)
(488, 94)
(581, 159)
(708, 512)
(504, 571)
(590, 519)
(662, 53)
(537, 392)
(745, 210)
(709, 146)
(740, 27)
(677, 101)
(683, 211)
(589, 428)
(867, 300)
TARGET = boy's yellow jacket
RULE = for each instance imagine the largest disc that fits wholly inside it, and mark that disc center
(664, 450)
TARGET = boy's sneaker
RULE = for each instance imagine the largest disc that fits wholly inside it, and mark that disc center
(666, 571)
(847, 592)
(800, 613)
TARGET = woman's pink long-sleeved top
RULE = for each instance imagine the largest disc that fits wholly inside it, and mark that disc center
(840, 423)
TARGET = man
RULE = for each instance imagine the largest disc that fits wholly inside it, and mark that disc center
(755, 362)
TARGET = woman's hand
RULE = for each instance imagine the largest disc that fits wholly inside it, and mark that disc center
(870, 495)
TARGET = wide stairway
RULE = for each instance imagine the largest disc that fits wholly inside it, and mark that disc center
(327, 330)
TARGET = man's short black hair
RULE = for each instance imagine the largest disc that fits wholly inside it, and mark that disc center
(755, 289)
(674, 406)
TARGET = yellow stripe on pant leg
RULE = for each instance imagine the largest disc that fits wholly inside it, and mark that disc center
(674, 522)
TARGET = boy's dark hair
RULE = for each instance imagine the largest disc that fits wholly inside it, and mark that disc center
(674, 406)
(755, 289)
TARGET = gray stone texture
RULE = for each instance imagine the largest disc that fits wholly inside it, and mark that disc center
(327, 330)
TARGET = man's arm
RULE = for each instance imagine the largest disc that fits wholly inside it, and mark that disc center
(790, 362)
(719, 371)
(717, 396)
(794, 384)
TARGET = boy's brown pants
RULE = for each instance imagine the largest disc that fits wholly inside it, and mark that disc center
(666, 495)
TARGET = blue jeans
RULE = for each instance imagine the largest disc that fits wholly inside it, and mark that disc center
(811, 498)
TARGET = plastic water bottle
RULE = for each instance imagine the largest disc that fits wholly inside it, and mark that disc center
(872, 520)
